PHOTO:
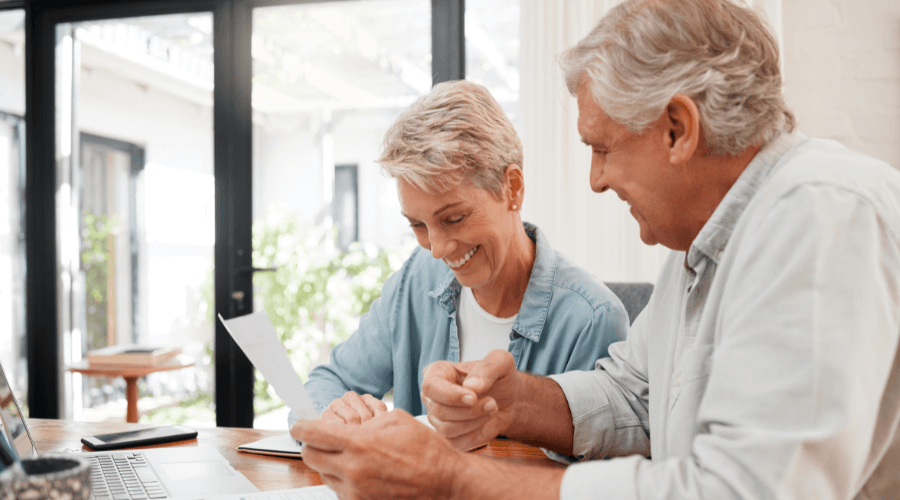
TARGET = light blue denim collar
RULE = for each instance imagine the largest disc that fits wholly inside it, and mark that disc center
(712, 239)
(536, 302)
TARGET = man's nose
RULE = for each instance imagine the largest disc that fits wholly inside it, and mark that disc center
(598, 180)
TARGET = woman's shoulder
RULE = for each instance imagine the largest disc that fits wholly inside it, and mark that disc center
(574, 282)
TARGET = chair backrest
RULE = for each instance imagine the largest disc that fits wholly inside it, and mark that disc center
(633, 295)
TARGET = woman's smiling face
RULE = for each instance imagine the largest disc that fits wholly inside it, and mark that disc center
(467, 227)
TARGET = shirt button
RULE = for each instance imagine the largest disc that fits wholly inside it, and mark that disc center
(678, 381)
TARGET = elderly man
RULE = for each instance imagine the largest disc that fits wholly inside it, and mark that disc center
(765, 365)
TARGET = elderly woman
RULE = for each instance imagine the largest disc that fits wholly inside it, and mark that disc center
(482, 279)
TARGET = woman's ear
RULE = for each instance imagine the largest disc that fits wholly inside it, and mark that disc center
(514, 186)
(682, 129)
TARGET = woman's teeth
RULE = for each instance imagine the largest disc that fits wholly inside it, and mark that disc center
(464, 259)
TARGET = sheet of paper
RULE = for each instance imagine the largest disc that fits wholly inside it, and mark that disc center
(256, 336)
(309, 493)
(283, 445)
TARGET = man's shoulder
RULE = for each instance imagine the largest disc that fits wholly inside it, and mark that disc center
(571, 282)
(827, 162)
(828, 166)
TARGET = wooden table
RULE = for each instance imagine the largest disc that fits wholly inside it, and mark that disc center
(267, 473)
(131, 374)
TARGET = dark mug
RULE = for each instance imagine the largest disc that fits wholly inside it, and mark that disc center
(63, 477)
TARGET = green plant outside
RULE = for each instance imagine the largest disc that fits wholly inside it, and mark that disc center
(314, 298)
(95, 261)
(318, 292)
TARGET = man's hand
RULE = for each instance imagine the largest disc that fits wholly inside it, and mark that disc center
(391, 456)
(471, 403)
(352, 408)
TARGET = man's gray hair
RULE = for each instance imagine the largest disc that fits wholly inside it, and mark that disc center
(719, 54)
(456, 132)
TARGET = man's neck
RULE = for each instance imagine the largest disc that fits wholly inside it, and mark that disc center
(713, 177)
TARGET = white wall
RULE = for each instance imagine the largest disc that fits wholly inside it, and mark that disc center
(357, 140)
(12, 79)
(287, 167)
(288, 172)
(174, 132)
(842, 72)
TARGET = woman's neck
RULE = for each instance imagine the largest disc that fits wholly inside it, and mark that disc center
(503, 296)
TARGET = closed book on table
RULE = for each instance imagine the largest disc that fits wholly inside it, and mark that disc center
(131, 355)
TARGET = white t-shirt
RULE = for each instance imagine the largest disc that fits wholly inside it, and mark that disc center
(479, 331)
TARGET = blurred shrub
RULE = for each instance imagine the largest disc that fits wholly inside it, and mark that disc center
(318, 292)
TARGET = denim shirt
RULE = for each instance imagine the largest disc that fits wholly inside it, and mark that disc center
(566, 321)
(767, 362)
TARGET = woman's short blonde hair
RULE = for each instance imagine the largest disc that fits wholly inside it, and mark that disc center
(456, 132)
(716, 52)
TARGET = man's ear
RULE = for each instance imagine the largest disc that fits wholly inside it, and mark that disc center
(682, 123)
(515, 184)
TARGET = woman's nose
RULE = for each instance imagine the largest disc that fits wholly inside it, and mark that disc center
(441, 245)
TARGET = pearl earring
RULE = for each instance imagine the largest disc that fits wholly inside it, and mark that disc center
(514, 207)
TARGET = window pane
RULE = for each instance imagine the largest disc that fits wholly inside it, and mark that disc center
(12, 185)
(328, 80)
(136, 228)
(492, 51)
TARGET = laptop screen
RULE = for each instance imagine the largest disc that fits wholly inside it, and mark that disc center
(11, 422)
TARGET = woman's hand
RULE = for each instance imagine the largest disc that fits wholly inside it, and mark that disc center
(352, 408)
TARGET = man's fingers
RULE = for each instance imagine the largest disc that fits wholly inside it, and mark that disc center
(479, 436)
(441, 386)
(323, 436)
(484, 406)
(483, 374)
(455, 429)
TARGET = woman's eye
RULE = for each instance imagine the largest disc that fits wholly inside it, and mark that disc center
(416, 225)
(456, 220)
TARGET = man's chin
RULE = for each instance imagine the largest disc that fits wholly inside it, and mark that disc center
(649, 241)
(647, 235)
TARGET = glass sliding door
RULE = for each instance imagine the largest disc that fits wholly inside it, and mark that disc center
(135, 207)
(492, 51)
(328, 80)
(12, 185)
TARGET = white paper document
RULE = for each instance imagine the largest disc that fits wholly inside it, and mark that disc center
(309, 493)
(279, 446)
(256, 336)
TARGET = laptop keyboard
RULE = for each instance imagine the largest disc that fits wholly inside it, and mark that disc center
(124, 476)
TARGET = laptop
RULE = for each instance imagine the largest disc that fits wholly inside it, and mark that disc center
(139, 474)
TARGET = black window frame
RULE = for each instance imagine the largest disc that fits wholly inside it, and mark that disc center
(232, 113)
